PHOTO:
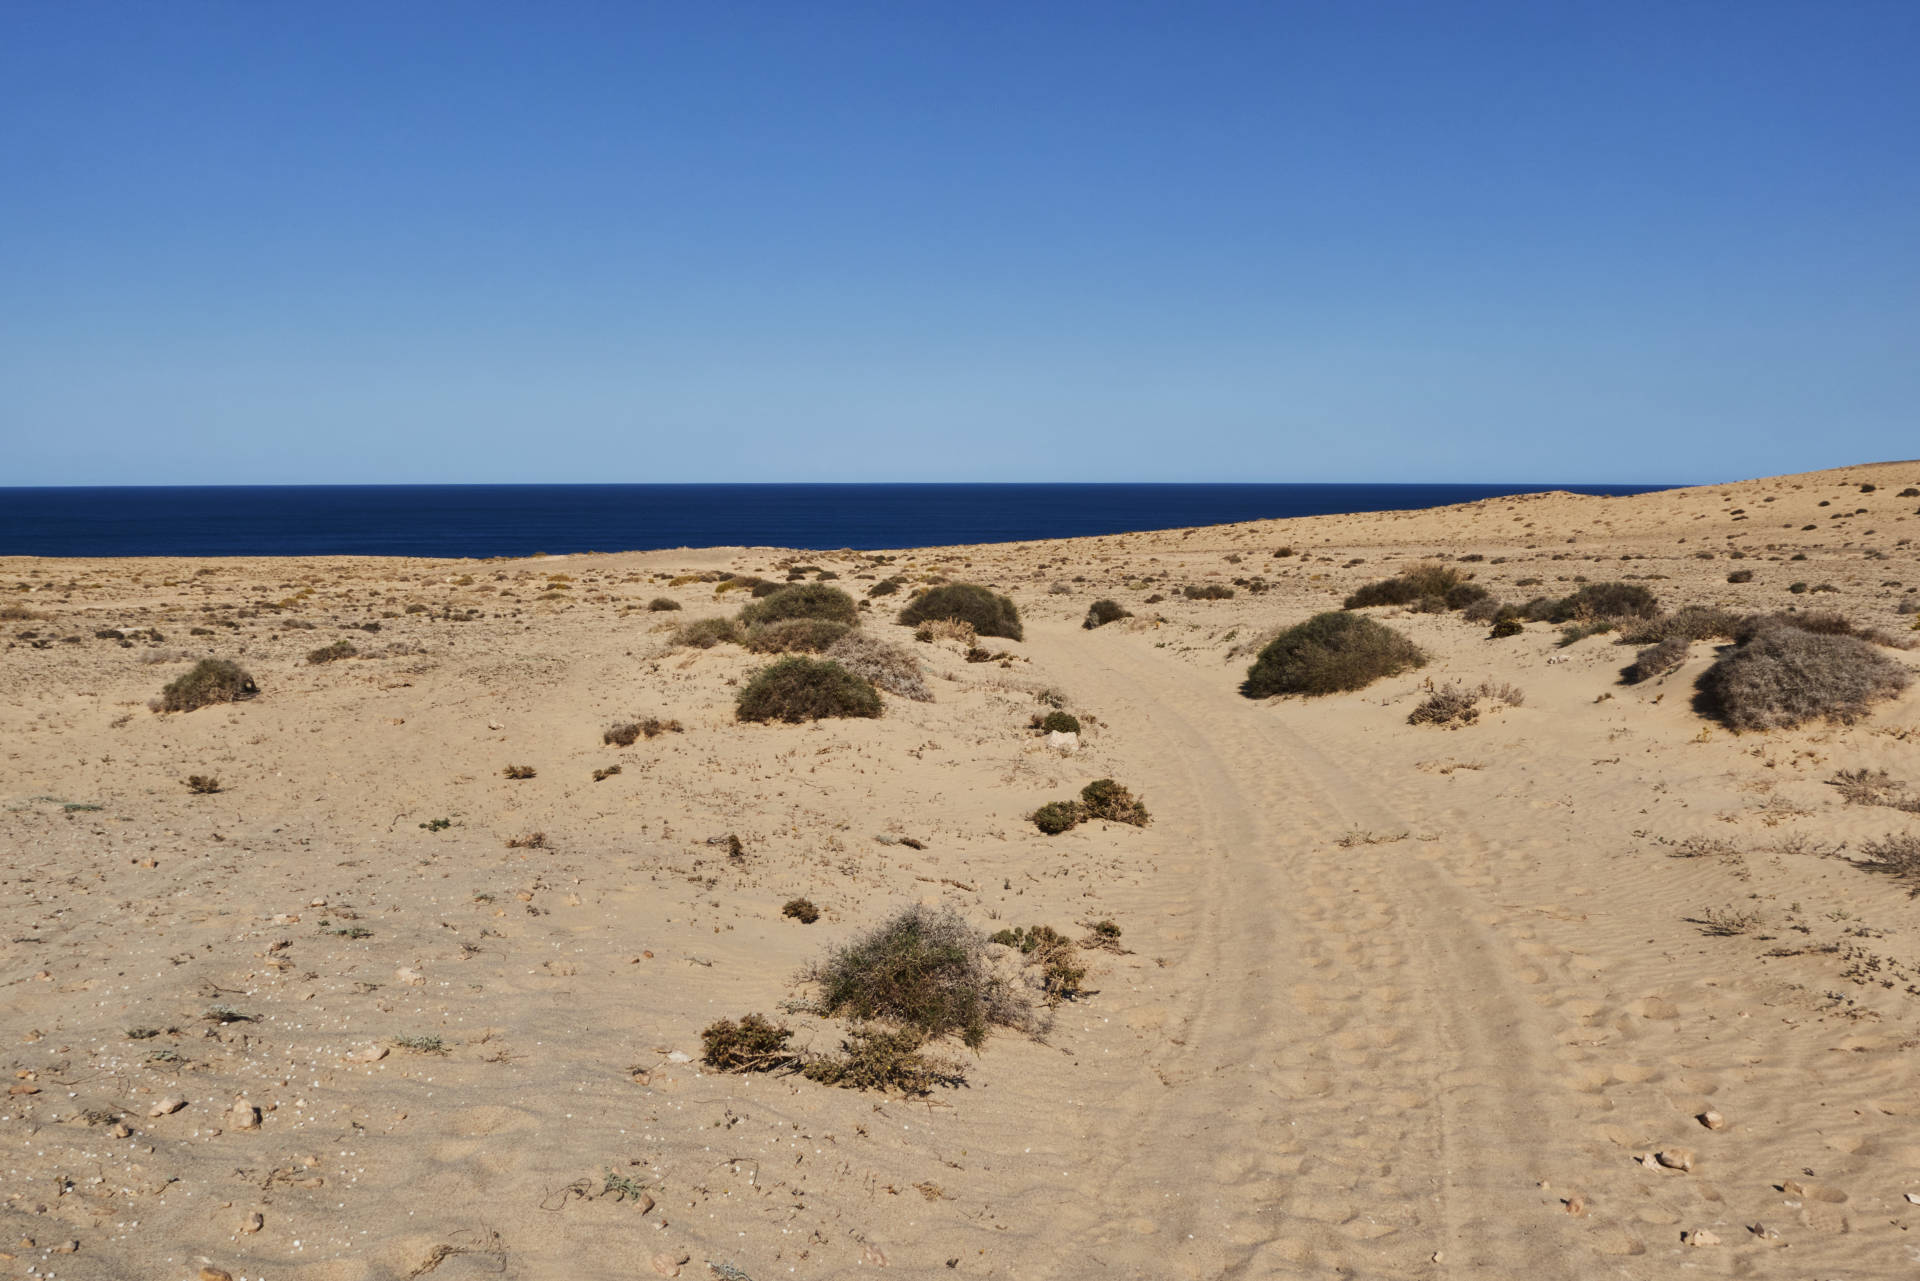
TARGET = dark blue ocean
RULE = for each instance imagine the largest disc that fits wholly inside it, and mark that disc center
(518, 520)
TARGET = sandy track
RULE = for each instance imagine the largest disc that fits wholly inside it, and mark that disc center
(1354, 1082)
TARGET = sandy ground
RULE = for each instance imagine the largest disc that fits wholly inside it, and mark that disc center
(1397, 1001)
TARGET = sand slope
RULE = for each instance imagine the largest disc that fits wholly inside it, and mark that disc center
(1396, 1001)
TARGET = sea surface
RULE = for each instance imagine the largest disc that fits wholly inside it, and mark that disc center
(520, 520)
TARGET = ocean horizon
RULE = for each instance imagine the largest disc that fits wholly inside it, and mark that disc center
(478, 521)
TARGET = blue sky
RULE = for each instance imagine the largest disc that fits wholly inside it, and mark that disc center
(261, 243)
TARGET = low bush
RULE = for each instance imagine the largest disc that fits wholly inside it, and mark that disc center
(1102, 612)
(801, 910)
(989, 613)
(1506, 627)
(1058, 723)
(212, 680)
(799, 689)
(519, 772)
(1207, 591)
(880, 1058)
(332, 653)
(959, 631)
(1691, 623)
(791, 635)
(1609, 600)
(1782, 675)
(661, 604)
(1329, 653)
(922, 969)
(1449, 706)
(1415, 584)
(203, 784)
(1895, 855)
(705, 633)
(887, 665)
(1657, 659)
(1740, 576)
(754, 1044)
(801, 600)
(1056, 817)
(625, 734)
(885, 587)
(1104, 798)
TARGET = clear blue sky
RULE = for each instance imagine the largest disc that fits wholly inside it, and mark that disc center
(1608, 241)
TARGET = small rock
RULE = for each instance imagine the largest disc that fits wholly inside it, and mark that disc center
(167, 1106)
(215, 1274)
(23, 1089)
(1675, 1158)
(1656, 1008)
(667, 1262)
(1700, 1236)
(1064, 741)
(369, 1053)
(1576, 1205)
(410, 976)
(873, 1255)
(286, 918)
(1712, 1120)
(121, 1130)
(1764, 1232)
(254, 1222)
(67, 1247)
(245, 1116)
(318, 902)
(679, 1056)
(1793, 1188)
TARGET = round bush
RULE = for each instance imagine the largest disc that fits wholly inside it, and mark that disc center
(705, 633)
(805, 689)
(801, 600)
(212, 680)
(1056, 817)
(923, 969)
(1657, 659)
(1610, 600)
(809, 635)
(1329, 653)
(1102, 612)
(888, 666)
(1060, 723)
(990, 614)
(1782, 676)
(1506, 627)
(661, 604)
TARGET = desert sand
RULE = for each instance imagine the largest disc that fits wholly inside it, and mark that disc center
(1394, 1000)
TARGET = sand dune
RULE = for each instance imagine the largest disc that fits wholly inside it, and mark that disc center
(1394, 1000)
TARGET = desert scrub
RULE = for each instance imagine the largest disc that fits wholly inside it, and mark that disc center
(805, 635)
(801, 910)
(990, 614)
(799, 689)
(754, 1044)
(1781, 676)
(1104, 798)
(1693, 622)
(1657, 659)
(212, 680)
(801, 600)
(662, 604)
(1056, 817)
(203, 784)
(882, 1058)
(885, 587)
(1207, 591)
(1449, 706)
(705, 633)
(1057, 723)
(1329, 653)
(625, 734)
(332, 653)
(518, 772)
(1505, 627)
(922, 969)
(1053, 955)
(1102, 612)
(1429, 581)
(887, 665)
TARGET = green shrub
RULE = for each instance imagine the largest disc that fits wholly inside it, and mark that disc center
(1415, 584)
(801, 600)
(754, 1044)
(1657, 659)
(879, 1058)
(990, 614)
(1104, 798)
(922, 969)
(705, 633)
(1102, 612)
(799, 689)
(1056, 817)
(887, 665)
(332, 653)
(805, 635)
(1329, 653)
(1059, 723)
(212, 680)
(661, 604)
(1782, 676)
(1506, 627)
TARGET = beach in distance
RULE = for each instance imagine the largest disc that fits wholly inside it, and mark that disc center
(1483, 885)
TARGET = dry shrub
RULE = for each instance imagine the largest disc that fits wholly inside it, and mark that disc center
(1057, 723)
(1056, 817)
(881, 1058)
(332, 653)
(212, 680)
(705, 633)
(799, 689)
(801, 910)
(1657, 660)
(1054, 955)
(519, 772)
(789, 635)
(959, 631)
(1102, 612)
(662, 604)
(203, 784)
(1207, 591)
(1875, 787)
(989, 613)
(625, 734)
(885, 587)
(801, 600)
(887, 665)
(528, 841)
(922, 969)
(1782, 676)
(1691, 623)
(1897, 855)
(1104, 798)
(754, 1044)
(1451, 706)
(1329, 653)
(1418, 582)
(1820, 623)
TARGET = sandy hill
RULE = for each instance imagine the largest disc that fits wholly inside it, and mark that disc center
(1588, 986)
